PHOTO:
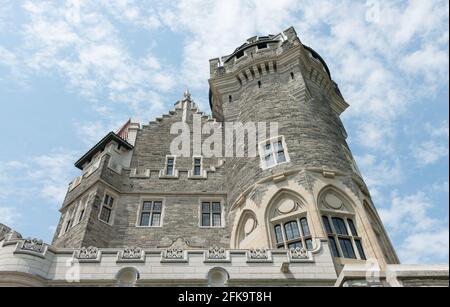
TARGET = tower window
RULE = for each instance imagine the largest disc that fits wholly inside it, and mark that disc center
(230, 98)
(292, 76)
(343, 238)
(211, 214)
(275, 66)
(151, 214)
(239, 55)
(259, 69)
(259, 84)
(293, 234)
(106, 209)
(273, 152)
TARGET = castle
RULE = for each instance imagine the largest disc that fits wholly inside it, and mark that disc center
(297, 213)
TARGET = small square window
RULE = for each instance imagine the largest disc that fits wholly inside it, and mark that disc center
(211, 214)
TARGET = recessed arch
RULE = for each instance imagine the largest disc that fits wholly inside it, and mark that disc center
(284, 205)
(331, 198)
(244, 227)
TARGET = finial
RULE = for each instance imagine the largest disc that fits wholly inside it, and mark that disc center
(187, 95)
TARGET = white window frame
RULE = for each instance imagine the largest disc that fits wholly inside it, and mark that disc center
(113, 210)
(163, 173)
(222, 210)
(203, 172)
(141, 207)
(263, 152)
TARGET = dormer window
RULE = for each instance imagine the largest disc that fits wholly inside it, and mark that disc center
(273, 152)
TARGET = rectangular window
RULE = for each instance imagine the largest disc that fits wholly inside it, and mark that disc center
(279, 235)
(333, 247)
(292, 231)
(347, 248)
(151, 214)
(305, 227)
(273, 152)
(81, 215)
(170, 166)
(197, 166)
(339, 226)
(309, 244)
(211, 214)
(105, 214)
(352, 227)
(106, 209)
(327, 225)
(360, 249)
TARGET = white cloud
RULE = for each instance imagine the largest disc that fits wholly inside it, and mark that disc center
(52, 173)
(435, 148)
(421, 238)
(44, 177)
(9, 216)
(425, 247)
(81, 42)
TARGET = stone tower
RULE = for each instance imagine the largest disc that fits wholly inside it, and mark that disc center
(304, 175)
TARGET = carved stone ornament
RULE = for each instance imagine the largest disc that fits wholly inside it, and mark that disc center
(217, 253)
(258, 254)
(299, 253)
(131, 253)
(33, 245)
(331, 201)
(174, 254)
(89, 253)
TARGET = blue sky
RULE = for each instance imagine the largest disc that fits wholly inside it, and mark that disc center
(70, 71)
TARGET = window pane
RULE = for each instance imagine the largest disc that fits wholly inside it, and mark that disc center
(360, 249)
(309, 244)
(216, 207)
(326, 223)
(206, 220)
(292, 231)
(278, 234)
(269, 160)
(295, 245)
(279, 146)
(268, 148)
(217, 220)
(145, 219)
(156, 219)
(347, 248)
(170, 161)
(281, 158)
(197, 162)
(339, 226)
(305, 227)
(157, 206)
(106, 200)
(170, 170)
(147, 206)
(105, 214)
(352, 227)
(111, 202)
(333, 247)
(81, 215)
(205, 207)
(197, 171)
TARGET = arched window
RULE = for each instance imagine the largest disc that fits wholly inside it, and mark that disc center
(343, 237)
(293, 233)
